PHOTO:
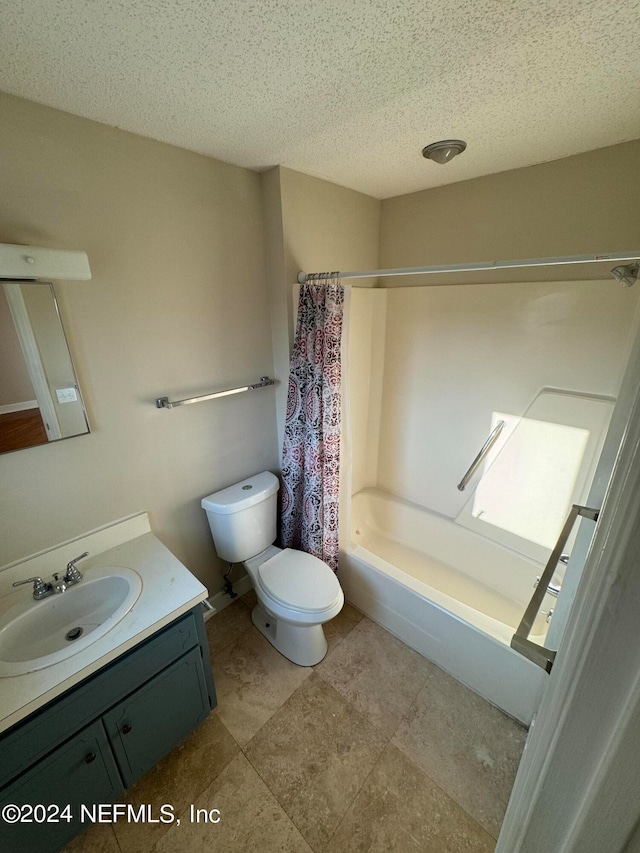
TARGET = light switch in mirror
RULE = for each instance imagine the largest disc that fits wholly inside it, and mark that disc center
(40, 401)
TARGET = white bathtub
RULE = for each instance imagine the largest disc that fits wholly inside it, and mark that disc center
(451, 594)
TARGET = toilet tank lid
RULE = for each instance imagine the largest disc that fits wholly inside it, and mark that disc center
(242, 495)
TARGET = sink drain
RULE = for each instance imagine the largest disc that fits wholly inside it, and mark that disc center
(74, 633)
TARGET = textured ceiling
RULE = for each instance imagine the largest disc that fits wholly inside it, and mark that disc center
(349, 90)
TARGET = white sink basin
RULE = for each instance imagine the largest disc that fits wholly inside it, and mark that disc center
(37, 634)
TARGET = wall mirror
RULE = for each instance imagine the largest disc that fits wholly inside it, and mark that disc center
(40, 401)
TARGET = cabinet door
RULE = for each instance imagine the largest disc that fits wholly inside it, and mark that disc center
(150, 722)
(80, 771)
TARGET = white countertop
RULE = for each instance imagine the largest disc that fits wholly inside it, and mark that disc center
(168, 590)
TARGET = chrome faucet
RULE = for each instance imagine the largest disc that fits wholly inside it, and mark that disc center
(42, 588)
(74, 575)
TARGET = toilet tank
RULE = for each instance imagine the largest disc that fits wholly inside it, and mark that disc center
(242, 517)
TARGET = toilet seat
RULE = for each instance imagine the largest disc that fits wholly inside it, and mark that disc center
(300, 581)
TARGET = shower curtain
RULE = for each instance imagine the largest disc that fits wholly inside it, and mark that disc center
(311, 452)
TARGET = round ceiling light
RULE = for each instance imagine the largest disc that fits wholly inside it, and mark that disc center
(442, 152)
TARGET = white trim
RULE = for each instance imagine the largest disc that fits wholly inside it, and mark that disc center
(576, 788)
(18, 407)
(34, 262)
(35, 367)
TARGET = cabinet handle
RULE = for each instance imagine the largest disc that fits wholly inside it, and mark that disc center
(88, 759)
(126, 729)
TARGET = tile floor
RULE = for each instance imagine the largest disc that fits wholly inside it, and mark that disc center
(374, 749)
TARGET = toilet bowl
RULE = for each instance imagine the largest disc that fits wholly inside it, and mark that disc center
(297, 593)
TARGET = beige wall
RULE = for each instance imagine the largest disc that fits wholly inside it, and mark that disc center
(177, 305)
(579, 205)
(313, 225)
(326, 227)
(280, 310)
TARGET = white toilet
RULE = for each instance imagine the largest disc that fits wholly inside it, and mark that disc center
(296, 591)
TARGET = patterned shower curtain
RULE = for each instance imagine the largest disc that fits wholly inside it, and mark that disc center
(311, 452)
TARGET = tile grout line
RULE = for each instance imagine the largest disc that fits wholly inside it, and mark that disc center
(388, 743)
(115, 837)
(257, 731)
(360, 714)
(331, 651)
(199, 792)
(273, 794)
(446, 793)
(364, 782)
(174, 825)
(228, 645)
(366, 717)
(240, 748)
(424, 772)
(312, 670)
(241, 634)
(412, 703)
(421, 770)
(389, 738)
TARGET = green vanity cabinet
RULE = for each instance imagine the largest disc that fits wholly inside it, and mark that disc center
(147, 724)
(82, 770)
(91, 743)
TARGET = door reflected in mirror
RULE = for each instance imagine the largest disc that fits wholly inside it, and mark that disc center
(40, 401)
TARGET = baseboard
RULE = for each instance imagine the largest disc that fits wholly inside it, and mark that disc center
(10, 408)
(219, 600)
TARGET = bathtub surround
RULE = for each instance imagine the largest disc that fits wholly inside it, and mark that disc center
(454, 355)
(311, 453)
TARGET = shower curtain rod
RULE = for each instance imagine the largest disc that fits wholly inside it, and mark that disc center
(483, 265)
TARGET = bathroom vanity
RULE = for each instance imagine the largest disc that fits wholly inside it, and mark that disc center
(82, 730)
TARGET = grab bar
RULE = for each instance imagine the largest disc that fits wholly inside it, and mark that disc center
(486, 447)
(553, 588)
(165, 403)
(520, 641)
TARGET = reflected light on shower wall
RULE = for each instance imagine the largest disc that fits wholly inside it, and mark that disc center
(528, 485)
